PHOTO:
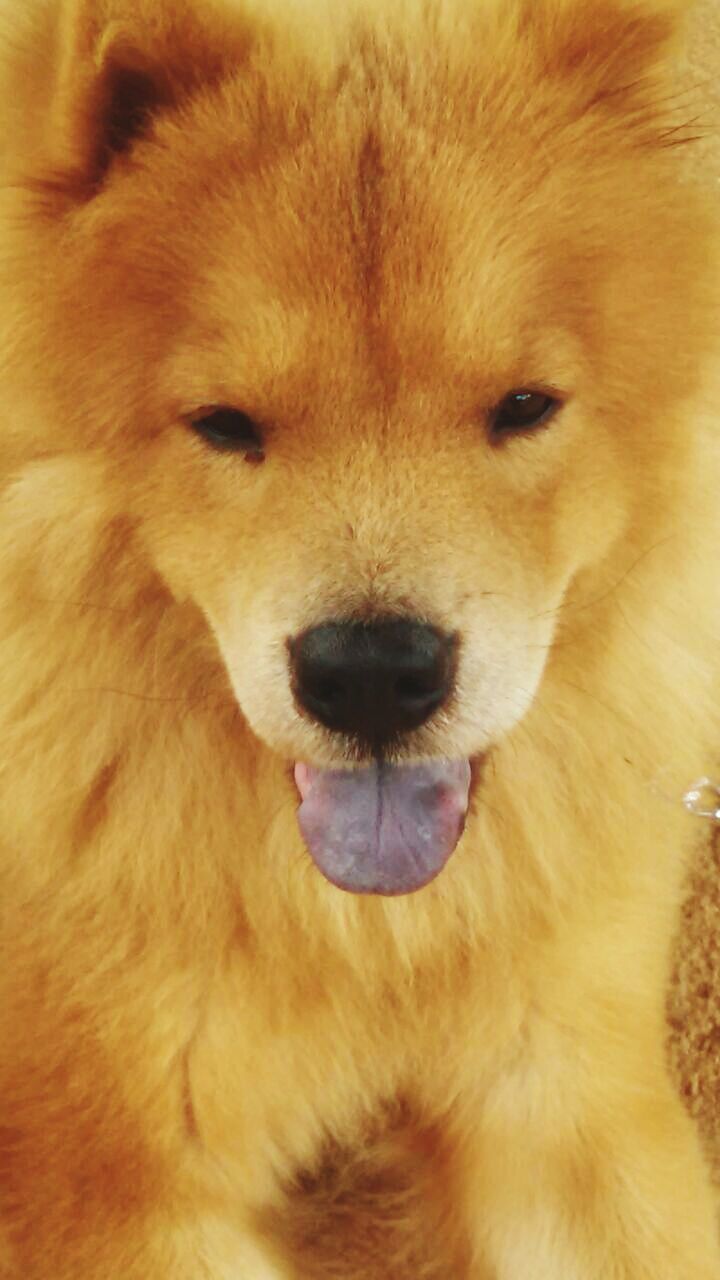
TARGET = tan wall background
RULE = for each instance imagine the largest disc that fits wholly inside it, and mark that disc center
(695, 997)
(704, 88)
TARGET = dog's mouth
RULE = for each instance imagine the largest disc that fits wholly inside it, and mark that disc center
(385, 828)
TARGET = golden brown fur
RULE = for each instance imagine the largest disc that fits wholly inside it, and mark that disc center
(364, 230)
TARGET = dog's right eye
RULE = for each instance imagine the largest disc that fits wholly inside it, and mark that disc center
(230, 430)
(520, 412)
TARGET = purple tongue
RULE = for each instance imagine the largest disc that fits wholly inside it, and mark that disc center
(385, 829)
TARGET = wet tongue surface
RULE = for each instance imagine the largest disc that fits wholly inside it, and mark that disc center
(385, 829)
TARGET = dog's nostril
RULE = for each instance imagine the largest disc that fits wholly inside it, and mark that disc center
(327, 690)
(415, 686)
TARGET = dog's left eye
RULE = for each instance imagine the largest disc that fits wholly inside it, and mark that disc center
(522, 411)
(231, 429)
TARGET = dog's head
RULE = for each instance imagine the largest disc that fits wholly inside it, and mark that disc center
(374, 311)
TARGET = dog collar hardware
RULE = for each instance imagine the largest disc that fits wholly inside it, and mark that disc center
(703, 799)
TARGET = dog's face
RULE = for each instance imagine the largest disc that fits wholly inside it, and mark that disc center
(382, 348)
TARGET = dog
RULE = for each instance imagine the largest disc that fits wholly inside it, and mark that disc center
(358, 638)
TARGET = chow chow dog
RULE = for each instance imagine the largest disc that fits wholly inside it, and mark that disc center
(358, 639)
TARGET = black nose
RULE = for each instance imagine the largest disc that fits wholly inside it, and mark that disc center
(373, 681)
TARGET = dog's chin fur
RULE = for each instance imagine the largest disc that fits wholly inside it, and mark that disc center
(213, 1063)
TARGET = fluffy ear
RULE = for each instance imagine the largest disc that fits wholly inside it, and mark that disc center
(122, 61)
(613, 44)
(614, 51)
(118, 63)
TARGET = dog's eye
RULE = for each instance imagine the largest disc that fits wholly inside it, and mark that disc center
(230, 429)
(522, 411)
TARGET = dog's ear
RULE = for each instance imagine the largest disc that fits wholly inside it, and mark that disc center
(117, 64)
(611, 43)
(621, 60)
(123, 61)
